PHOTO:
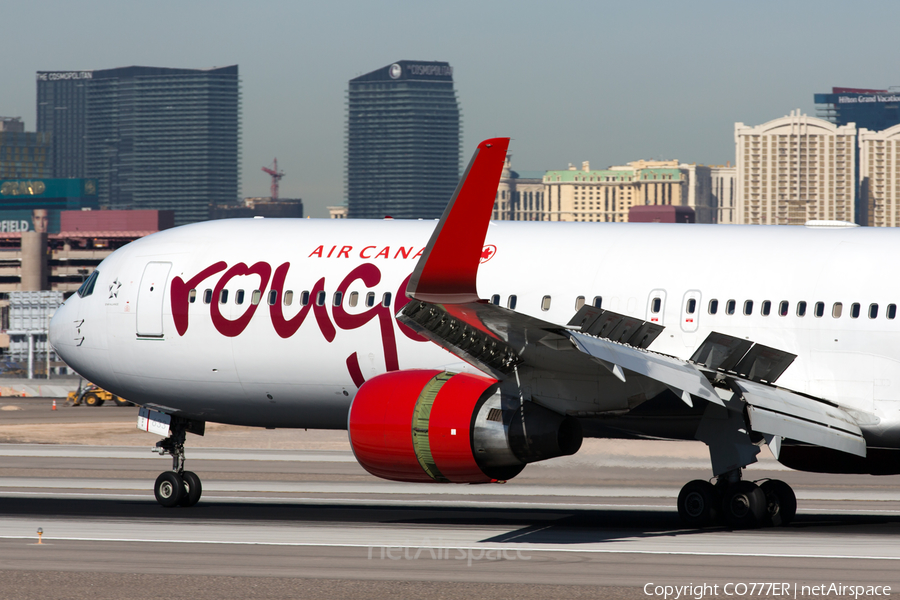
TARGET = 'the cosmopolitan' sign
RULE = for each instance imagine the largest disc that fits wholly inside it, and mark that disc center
(63, 75)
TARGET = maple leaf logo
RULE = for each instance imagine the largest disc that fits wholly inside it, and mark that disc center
(488, 252)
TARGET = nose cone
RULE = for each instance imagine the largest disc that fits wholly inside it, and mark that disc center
(62, 329)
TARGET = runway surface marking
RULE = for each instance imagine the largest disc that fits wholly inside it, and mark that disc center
(760, 543)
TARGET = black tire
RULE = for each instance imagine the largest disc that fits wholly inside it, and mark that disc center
(169, 489)
(121, 402)
(698, 503)
(92, 399)
(781, 503)
(192, 489)
(744, 505)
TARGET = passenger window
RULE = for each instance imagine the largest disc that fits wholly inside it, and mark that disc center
(495, 299)
(336, 300)
(320, 298)
(713, 307)
(598, 301)
(691, 306)
(239, 297)
(854, 310)
(873, 311)
(545, 303)
(655, 305)
(273, 297)
(304, 298)
(223, 297)
(836, 310)
(579, 302)
(819, 309)
(511, 302)
(729, 307)
(801, 309)
(783, 308)
(766, 308)
(353, 299)
(891, 311)
(288, 298)
(370, 299)
(255, 297)
(192, 296)
(386, 299)
(748, 307)
(207, 297)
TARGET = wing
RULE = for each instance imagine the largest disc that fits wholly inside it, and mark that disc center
(599, 363)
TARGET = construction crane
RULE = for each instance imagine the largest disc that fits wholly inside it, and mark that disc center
(276, 177)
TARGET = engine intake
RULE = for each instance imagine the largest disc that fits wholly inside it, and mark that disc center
(437, 426)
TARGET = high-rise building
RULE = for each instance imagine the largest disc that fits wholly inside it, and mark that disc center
(795, 169)
(403, 141)
(871, 109)
(520, 195)
(154, 138)
(723, 181)
(23, 154)
(879, 174)
(62, 112)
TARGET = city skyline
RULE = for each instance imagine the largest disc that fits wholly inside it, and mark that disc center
(567, 83)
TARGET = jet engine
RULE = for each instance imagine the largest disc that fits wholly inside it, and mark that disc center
(437, 426)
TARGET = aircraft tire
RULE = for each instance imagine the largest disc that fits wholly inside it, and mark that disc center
(744, 505)
(169, 489)
(698, 503)
(781, 503)
(192, 489)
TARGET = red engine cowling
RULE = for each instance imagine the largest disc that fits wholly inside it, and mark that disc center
(436, 426)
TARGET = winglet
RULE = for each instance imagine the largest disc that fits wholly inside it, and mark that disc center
(446, 272)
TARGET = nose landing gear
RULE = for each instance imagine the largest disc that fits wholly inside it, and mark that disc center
(176, 487)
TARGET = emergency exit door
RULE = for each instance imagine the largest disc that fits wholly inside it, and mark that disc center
(150, 300)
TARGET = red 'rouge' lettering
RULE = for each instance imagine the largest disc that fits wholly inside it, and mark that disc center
(288, 327)
(370, 276)
(181, 290)
(227, 326)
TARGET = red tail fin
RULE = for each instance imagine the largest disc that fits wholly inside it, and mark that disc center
(446, 272)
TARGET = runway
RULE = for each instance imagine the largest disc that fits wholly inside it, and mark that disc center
(309, 522)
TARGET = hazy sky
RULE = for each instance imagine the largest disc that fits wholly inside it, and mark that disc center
(568, 81)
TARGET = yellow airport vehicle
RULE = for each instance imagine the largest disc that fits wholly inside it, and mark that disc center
(92, 395)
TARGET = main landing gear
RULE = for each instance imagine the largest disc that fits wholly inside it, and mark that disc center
(736, 503)
(176, 487)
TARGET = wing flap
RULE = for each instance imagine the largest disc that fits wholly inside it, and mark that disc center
(665, 369)
(775, 411)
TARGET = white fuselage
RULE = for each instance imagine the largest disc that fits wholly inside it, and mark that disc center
(201, 359)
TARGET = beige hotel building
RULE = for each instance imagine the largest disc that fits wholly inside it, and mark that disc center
(879, 175)
(793, 170)
(604, 195)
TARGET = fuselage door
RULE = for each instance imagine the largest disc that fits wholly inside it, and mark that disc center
(656, 306)
(690, 311)
(151, 295)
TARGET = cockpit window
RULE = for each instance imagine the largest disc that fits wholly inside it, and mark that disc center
(87, 288)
